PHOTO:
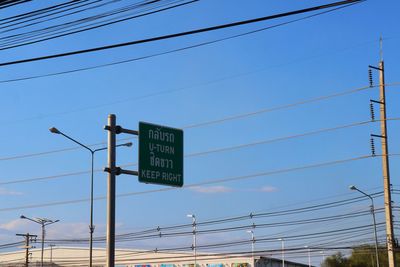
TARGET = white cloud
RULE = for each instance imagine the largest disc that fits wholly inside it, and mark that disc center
(268, 189)
(5, 192)
(57, 230)
(14, 225)
(69, 230)
(211, 189)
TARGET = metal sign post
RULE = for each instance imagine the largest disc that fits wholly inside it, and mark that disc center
(111, 191)
(160, 162)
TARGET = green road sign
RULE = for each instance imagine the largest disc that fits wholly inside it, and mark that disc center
(160, 155)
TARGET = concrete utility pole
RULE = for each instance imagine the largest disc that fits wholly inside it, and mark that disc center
(385, 160)
(309, 255)
(283, 251)
(385, 168)
(251, 232)
(28, 238)
(194, 246)
(43, 222)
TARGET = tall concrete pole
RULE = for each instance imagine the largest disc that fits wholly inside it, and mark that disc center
(111, 191)
(91, 226)
(252, 247)
(194, 237)
(43, 234)
(194, 241)
(27, 250)
(385, 169)
(283, 251)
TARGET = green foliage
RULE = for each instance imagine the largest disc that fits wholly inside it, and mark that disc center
(361, 256)
(336, 260)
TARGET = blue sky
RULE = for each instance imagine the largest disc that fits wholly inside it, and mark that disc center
(320, 56)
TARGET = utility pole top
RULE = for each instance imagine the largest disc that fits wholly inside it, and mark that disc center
(27, 246)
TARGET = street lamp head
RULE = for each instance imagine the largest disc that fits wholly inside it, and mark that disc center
(352, 187)
(128, 144)
(22, 217)
(45, 220)
(191, 216)
(250, 231)
(54, 130)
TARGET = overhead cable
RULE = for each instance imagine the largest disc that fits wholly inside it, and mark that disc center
(195, 154)
(211, 181)
(62, 30)
(162, 53)
(175, 35)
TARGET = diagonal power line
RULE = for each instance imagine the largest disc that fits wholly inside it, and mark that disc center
(211, 181)
(217, 121)
(192, 32)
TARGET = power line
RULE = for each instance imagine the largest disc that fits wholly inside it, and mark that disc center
(260, 239)
(257, 215)
(175, 35)
(11, 245)
(263, 142)
(10, 3)
(170, 259)
(291, 105)
(264, 240)
(196, 154)
(164, 53)
(213, 181)
(239, 116)
(43, 11)
(331, 241)
(326, 233)
(248, 226)
(39, 11)
(161, 231)
(47, 152)
(59, 30)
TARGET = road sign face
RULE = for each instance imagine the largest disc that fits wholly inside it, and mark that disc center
(160, 155)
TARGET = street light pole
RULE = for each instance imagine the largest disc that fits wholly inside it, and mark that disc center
(43, 222)
(309, 255)
(51, 253)
(283, 251)
(92, 152)
(323, 255)
(194, 237)
(252, 245)
(353, 187)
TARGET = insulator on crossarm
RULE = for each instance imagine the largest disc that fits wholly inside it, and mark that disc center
(371, 108)
(371, 81)
(372, 147)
